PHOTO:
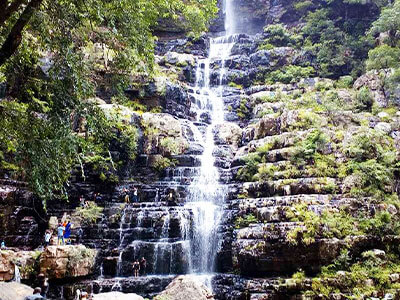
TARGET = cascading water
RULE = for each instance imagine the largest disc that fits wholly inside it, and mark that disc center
(206, 193)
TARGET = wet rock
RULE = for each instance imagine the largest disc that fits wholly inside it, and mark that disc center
(25, 260)
(186, 287)
(67, 261)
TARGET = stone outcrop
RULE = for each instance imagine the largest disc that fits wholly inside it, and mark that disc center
(117, 296)
(26, 261)
(14, 291)
(67, 261)
(185, 287)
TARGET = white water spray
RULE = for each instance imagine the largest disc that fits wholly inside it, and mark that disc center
(206, 193)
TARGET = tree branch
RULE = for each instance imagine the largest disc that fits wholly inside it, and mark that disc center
(6, 11)
(14, 38)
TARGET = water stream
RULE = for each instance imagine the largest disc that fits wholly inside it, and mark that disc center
(206, 193)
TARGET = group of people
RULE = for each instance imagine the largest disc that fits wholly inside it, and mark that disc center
(139, 267)
(63, 234)
(128, 195)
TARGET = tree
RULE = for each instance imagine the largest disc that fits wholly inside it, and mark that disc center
(128, 23)
(388, 22)
(383, 57)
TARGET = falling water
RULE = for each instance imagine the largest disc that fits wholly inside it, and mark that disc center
(206, 193)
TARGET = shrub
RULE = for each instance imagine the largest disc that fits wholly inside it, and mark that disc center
(364, 99)
(90, 213)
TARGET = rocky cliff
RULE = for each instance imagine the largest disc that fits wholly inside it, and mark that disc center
(311, 195)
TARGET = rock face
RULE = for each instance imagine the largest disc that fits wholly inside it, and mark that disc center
(67, 261)
(117, 296)
(26, 261)
(185, 287)
(14, 291)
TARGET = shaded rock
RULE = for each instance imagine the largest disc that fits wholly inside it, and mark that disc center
(14, 291)
(67, 261)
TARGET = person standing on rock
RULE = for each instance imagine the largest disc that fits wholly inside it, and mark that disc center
(79, 235)
(3, 245)
(143, 265)
(136, 268)
(60, 234)
(126, 196)
(82, 201)
(47, 238)
(67, 232)
(135, 194)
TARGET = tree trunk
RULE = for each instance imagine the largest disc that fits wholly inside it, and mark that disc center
(6, 11)
(14, 38)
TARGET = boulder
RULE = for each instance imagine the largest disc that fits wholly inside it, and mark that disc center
(185, 287)
(14, 291)
(373, 81)
(383, 126)
(228, 133)
(117, 296)
(67, 261)
(164, 134)
(25, 260)
(179, 59)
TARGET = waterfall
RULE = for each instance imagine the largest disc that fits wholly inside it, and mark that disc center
(17, 274)
(206, 193)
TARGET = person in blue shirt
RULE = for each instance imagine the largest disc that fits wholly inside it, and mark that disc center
(60, 234)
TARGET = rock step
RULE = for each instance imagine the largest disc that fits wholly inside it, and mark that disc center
(286, 187)
(289, 200)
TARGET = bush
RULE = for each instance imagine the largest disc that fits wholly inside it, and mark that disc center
(289, 74)
(364, 100)
(90, 213)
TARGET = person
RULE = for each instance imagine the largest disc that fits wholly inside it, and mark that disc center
(79, 235)
(98, 197)
(3, 245)
(36, 294)
(82, 201)
(143, 264)
(135, 194)
(44, 284)
(47, 238)
(136, 268)
(67, 232)
(84, 296)
(60, 234)
(126, 196)
(78, 294)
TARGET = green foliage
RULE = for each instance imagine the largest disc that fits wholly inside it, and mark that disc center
(245, 221)
(90, 213)
(243, 111)
(160, 163)
(388, 22)
(289, 74)
(277, 36)
(247, 172)
(383, 57)
(364, 99)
